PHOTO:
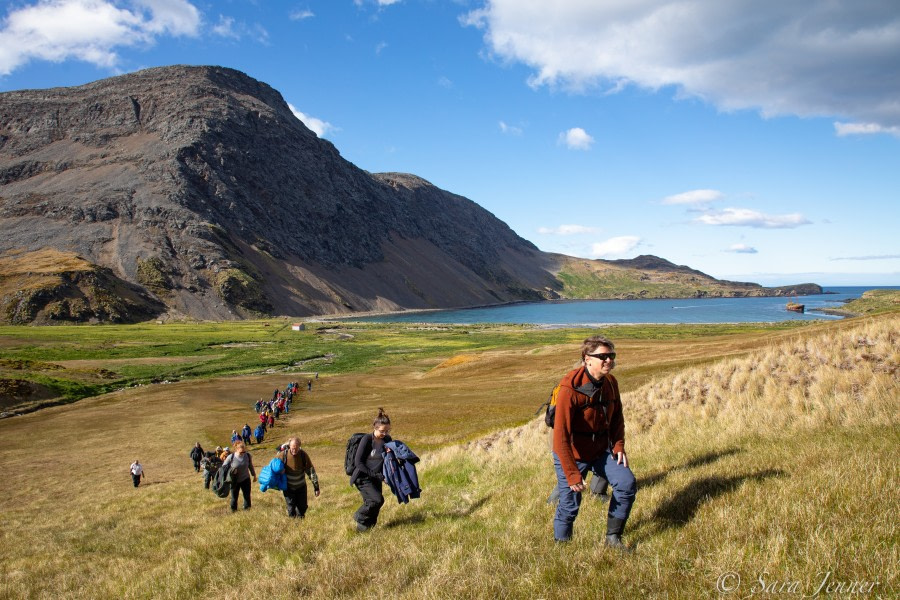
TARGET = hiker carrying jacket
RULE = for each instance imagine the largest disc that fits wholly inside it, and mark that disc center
(241, 464)
(367, 475)
(589, 435)
(297, 466)
(196, 455)
(137, 472)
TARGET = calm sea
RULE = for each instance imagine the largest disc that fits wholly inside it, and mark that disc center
(593, 312)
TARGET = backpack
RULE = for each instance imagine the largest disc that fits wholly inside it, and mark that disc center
(550, 415)
(211, 464)
(221, 485)
(350, 458)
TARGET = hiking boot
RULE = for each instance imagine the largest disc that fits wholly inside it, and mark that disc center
(360, 528)
(614, 528)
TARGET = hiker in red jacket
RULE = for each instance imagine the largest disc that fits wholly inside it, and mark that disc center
(589, 435)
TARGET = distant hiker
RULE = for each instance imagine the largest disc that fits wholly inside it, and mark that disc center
(196, 455)
(367, 475)
(317, 375)
(271, 422)
(259, 433)
(235, 437)
(137, 472)
(223, 453)
(297, 466)
(210, 464)
(263, 418)
(258, 406)
(589, 435)
(241, 465)
(245, 433)
(309, 385)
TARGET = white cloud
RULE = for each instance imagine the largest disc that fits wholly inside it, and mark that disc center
(616, 246)
(510, 129)
(870, 257)
(694, 197)
(445, 82)
(744, 217)
(318, 126)
(845, 129)
(576, 139)
(227, 27)
(300, 15)
(741, 249)
(89, 30)
(380, 46)
(567, 230)
(836, 58)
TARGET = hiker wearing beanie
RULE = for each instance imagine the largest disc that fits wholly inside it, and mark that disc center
(589, 435)
(297, 466)
(367, 474)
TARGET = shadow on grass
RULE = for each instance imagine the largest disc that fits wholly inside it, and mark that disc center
(422, 516)
(681, 508)
(705, 459)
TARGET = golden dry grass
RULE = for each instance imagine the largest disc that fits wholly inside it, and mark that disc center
(779, 465)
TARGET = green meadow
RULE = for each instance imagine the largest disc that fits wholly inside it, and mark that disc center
(766, 457)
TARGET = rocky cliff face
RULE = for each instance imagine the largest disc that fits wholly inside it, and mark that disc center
(199, 184)
(198, 191)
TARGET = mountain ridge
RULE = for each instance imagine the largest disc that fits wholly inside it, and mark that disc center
(200, 187)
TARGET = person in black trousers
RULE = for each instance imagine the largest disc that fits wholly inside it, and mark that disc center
(367, 472)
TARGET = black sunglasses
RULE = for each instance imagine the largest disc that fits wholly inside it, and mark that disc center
(603, 355)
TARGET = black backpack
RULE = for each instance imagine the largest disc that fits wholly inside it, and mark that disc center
(550, 415)
(350, 458)
(221, 485)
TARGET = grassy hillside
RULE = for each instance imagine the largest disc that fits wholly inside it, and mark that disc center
(870, 303)
(42, 366)
(778, 466)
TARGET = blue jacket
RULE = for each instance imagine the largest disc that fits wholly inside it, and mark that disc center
(258, 432)
(273, 476)
(399, 471)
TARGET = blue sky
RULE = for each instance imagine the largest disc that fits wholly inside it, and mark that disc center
(755, 140)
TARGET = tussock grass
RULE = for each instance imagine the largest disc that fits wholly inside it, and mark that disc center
(784, 469)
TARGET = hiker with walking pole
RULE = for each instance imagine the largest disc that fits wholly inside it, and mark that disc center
(589, 435)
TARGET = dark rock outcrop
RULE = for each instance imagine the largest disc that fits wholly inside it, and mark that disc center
(200, 186)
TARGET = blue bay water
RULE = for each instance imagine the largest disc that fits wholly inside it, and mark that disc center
(593, 312)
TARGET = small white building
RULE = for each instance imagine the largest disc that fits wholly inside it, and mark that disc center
(298, 327)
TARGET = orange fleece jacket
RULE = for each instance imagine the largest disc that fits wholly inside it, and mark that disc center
(572, 422)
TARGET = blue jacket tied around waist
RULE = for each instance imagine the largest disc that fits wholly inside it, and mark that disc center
(399, 471)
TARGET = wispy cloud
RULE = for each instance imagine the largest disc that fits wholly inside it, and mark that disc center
(616, 246)
(871, 257)
(90, 30)
(227, 27)
(445, 82)
(567, 230)
(301, 14)
(788, 58)
(509, 129)
(379, 47)
(744, 217)
(845, 129)
(694, 197)
(318, 126)
(576, 139)
(741, 249)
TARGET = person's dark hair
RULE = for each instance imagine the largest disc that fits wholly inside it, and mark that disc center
(381, 419)
(589, 345)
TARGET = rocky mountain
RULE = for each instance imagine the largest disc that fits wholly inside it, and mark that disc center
(195, 191)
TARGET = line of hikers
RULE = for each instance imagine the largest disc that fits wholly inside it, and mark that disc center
(585, 412)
